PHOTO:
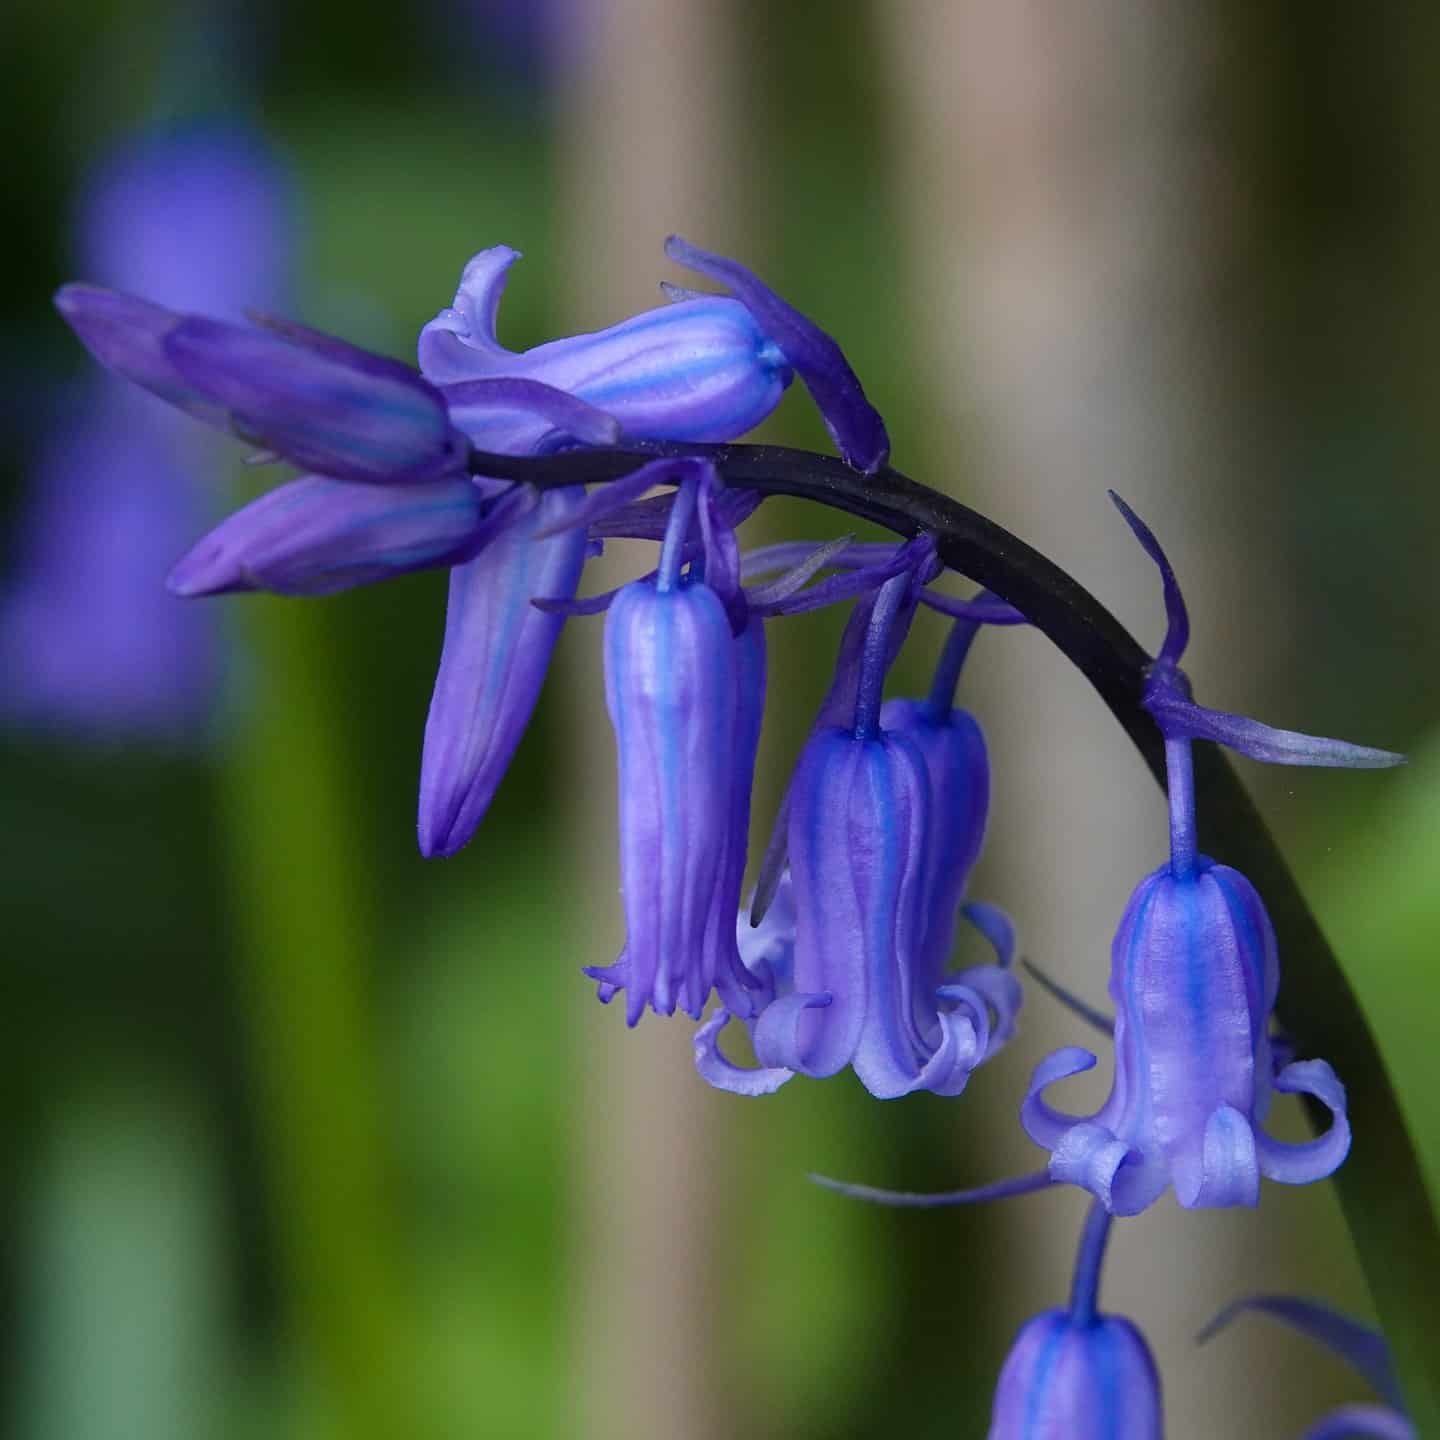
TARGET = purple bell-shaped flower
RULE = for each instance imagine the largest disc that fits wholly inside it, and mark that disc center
(1076, 1374)
(684, 694)
(1069, 1380)
(1194, 975)
(844, 985)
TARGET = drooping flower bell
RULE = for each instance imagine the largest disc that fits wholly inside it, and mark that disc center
(684, 694)
(1194, 975)
(844, 984)
(959, 770)
(1360, 1345)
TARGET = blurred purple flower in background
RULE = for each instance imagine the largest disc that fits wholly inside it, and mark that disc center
(90, 641)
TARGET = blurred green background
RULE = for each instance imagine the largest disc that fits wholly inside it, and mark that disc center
(307, 1137)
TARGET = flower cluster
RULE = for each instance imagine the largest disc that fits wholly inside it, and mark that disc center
(842, 959)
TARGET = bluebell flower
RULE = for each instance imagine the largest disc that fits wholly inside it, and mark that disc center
(1194, 976)
(958, 767)
(89, 641)
(1089, 1380)
(1077, 1374)
(697, 369)
(1360, 1345)
(684, 694)
(845, 981)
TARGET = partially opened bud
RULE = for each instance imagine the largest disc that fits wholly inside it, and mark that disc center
(698, 369)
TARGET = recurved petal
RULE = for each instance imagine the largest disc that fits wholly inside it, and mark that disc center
(1315, 1159)
(1091, 1156)
(497, 650)
(459, 343)
(1045, 1125)
(1002, 992)
(778, 1038)
(1227, 1173)
(316, 536)
(715, 1069)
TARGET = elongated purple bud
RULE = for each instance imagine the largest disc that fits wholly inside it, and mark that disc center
(496, 653)
(700, 369)
(127, 335)
(316, 401)
(722, 958)
(671, 684)
(316, 536)
(1070, 1380)
(328, 407)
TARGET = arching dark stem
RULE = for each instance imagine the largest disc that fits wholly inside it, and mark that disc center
(1386, 1203)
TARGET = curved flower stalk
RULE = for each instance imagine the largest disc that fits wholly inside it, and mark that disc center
(1363, 1347)
(1194, 976)
(843, 965)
